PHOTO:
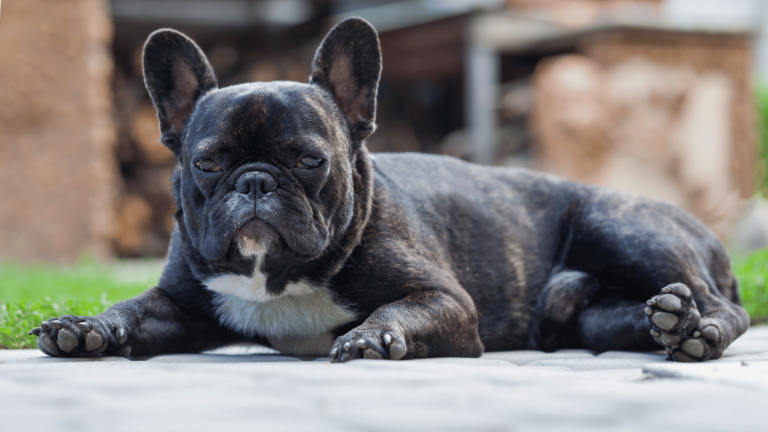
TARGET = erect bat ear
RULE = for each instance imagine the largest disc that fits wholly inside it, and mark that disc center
(348, 64)
(176, 74)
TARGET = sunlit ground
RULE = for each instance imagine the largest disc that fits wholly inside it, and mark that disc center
(30, 294)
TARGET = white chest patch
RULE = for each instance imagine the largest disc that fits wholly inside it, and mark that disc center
(293, 323)
(297, 321)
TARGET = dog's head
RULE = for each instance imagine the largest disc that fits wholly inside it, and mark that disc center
(269, 174)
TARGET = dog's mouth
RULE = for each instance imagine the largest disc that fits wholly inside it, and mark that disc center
(255, 236)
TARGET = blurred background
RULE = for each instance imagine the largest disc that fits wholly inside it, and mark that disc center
(651, 96)
(659, 97)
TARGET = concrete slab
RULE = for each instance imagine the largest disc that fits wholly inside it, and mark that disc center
(236, 389)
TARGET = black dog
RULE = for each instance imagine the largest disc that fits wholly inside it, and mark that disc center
(291, 235)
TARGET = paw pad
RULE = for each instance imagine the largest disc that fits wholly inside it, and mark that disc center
(368, 344)
(669, 302)
(93, 340)
(67, 340)
(70, 336)
(675, 323)
(693, 347)
(711, 333)
(665, 321)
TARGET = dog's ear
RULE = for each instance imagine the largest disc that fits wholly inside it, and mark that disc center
(176, 73)
(348, 64)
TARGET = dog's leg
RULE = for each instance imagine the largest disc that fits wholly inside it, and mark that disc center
(423, 324)
(151, 323)
(615, 324)
(692, 323)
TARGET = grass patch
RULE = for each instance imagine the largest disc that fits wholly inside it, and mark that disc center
(752, 273)
(30, 294)
(761, 169)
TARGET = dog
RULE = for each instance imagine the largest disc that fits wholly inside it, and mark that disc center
(291, 235)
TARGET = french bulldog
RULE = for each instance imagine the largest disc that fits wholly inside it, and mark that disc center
(291, 235)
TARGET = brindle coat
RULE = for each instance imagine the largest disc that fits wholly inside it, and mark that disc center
(290, 234)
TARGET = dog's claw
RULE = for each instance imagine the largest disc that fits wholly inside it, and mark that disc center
(361, 343)
(35, 331)
(334, 352)
(665, 321)
(67, 340)
(120, 335)
(648, 311)
(45, 326)
(84, 326)
(696, 334)
(347, 346)
(387, 339)
(93, 340)
(57, 324)
(655, 333)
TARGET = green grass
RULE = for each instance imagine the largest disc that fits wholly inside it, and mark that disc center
(752, 273)
(30, 294)
(761, 173)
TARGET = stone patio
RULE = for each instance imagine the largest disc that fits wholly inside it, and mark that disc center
(249, 388)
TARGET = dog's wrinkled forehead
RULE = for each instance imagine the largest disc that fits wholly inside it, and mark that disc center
(266, 117)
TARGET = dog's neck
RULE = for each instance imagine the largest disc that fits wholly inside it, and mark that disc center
(362, 178)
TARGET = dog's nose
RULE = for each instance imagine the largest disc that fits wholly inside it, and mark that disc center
(255, 182)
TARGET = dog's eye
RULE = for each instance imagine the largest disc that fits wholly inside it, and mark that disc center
(207, 165)
(310, 162)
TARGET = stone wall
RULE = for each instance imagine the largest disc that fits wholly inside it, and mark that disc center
(666, 115)
(57, 168)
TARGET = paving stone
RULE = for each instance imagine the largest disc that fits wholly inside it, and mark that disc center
(36, 356)
(522, 358)
(748, 375)
(219, 358)
(467, 361)
(649, 356)
(240, 390)
(575, 352)
(593, 364)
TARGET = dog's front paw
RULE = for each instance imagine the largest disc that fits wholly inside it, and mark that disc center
(71, 336)
(369, 343)
(676, 325)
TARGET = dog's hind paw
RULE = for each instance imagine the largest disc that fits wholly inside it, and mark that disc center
(71, 336)
(676, 325)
